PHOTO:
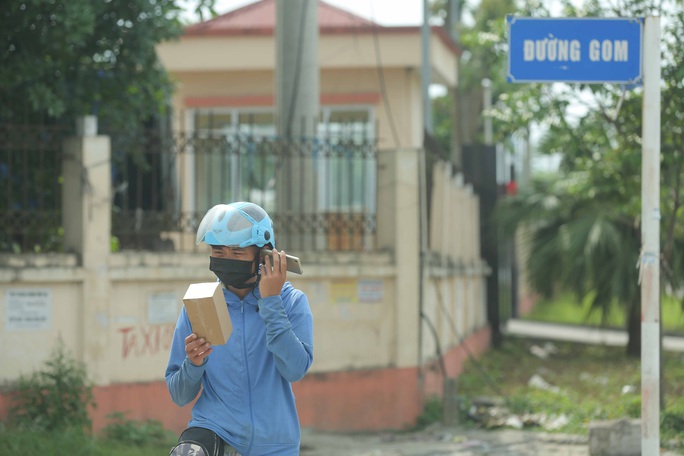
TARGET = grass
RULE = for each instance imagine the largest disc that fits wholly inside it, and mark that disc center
(124, 438)
(590, 380)
(567, 309)
(62, 443)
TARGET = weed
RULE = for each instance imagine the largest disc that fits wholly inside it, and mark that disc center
(54, 398)
(148, 432)
(67, 442)
(433, 411)
(588, 383)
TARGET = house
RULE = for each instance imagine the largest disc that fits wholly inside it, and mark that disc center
(392, 268)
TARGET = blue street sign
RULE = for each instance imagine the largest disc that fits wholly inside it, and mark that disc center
(585, 50)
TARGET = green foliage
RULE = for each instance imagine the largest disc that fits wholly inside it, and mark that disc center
(54, 398)
(114, 244)
(672, 423)
(588, 245)
(585, 227)
(73, 443)
(565, 308)
(433, 412)
(68, 442)
(64, 59)
(600, 147)
(591, 383)
(132, 432)
(484, 44)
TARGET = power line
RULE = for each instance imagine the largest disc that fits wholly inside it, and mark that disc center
(462, 342)
(381, 79)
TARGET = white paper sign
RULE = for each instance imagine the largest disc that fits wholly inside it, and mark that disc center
(162, 308)
(371, 290)
(28, 308)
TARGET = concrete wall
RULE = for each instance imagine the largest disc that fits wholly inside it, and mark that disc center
(234, 70)
(354, 49)
(374, 356)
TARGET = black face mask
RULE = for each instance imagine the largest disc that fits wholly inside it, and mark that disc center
(232, 273)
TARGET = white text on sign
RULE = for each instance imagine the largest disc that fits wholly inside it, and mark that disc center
(555, 50)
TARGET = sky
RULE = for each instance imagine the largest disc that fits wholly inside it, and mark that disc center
(384, 12)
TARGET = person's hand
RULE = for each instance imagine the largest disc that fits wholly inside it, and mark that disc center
(273, 274)
(197, 349)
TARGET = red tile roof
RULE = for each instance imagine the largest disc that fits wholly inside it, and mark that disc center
(258, 18)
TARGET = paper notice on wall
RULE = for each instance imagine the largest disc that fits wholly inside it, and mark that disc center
(28, 309)
(343, 292)
(162, 308)
(371, 290)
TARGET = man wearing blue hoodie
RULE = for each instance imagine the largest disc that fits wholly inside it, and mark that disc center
(246, 405)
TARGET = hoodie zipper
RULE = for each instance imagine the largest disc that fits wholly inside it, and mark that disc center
(249, 381)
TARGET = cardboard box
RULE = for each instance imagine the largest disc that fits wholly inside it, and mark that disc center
(208, 312)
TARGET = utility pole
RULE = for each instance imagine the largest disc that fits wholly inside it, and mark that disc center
(486, 106)
(649, 264)
(297, 71)
(452, 21)
(297, 112)
(425, 73)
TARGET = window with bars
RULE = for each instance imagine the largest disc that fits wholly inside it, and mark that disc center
(237, 155)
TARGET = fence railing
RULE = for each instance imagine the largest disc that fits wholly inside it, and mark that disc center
(30, 187)
(320, 192)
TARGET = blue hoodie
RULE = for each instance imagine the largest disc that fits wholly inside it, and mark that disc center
(246, 394)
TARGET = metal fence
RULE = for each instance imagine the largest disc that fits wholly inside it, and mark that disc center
(320, 192)
(30, 187)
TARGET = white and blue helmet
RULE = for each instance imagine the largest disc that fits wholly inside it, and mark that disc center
(236, 225)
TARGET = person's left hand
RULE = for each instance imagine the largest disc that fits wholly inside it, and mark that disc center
(273, 274)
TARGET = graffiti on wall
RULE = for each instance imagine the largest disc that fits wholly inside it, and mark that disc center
(138, 341)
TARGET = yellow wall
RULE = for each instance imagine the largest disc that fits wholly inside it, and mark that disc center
(349, 64)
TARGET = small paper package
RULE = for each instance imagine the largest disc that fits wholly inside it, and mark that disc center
(208, 312)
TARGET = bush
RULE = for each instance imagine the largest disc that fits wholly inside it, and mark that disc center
(672, 425)
(131, 432)
(54, 398)
(432, 412)
(70, 442)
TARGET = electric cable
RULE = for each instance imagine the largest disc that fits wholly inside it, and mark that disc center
(438, 348)
(461, 341)
(381, 79)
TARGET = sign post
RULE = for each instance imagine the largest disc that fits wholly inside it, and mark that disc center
(650, 240)
(596, 50)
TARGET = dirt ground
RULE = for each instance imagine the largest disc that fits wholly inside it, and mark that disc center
(437, 441)
(442, 441)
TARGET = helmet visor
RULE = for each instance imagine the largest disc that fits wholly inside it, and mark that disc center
(205, 225)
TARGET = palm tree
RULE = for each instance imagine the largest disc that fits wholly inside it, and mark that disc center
(579, 240)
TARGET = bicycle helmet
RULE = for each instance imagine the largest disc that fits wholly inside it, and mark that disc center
(237, 224)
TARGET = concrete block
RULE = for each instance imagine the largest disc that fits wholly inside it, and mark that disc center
(615, 438)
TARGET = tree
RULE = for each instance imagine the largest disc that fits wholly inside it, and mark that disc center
(483, 40)
(63, 59)
(66, 58)
(597, 195)
(590, 241)
(580, 239)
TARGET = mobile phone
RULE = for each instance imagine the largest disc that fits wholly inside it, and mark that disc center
(293, 263)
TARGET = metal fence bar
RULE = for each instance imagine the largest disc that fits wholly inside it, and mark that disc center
(269, 171)
(30, 205)
(319, 191)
